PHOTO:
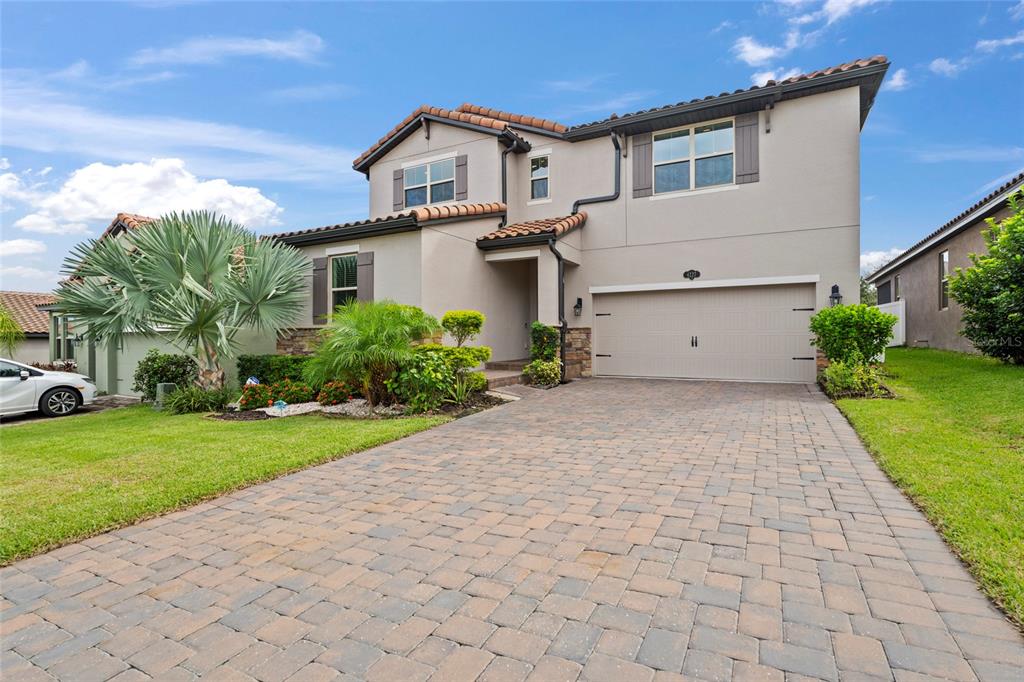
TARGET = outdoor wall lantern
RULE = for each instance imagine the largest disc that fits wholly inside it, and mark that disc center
(577, 309)
(835, 298)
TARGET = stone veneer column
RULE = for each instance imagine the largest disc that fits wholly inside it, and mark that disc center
(577, 353)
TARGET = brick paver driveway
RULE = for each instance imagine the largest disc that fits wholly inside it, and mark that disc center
(606, 530)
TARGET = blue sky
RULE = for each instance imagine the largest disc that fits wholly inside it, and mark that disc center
(257, 110)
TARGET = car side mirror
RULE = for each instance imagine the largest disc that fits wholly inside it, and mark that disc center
(24, 374)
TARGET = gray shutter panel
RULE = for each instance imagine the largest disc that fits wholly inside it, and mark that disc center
(320, 290)
(747, 163)
(643, 166)
(364, 276)
(461, 178)
(398, 186)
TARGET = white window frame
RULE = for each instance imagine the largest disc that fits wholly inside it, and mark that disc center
(944, 279)
(331, 289)
(896, 289)
(429, 184)
(693, 157)
(547, 197)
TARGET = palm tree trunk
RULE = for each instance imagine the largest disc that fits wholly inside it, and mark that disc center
(211, 374)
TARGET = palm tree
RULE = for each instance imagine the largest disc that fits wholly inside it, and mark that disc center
(11, 334)
(366, 342)
(195, 279)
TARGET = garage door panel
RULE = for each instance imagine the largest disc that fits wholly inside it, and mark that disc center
(744, 333)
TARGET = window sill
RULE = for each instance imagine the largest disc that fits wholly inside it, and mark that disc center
(693, 192)
(537, 202)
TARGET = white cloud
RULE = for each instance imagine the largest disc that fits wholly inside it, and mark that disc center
(762, 77)
(945, 67)
(899, 80)
(4, 163)
(81, 74)
(26, 273)
(40, 119)
(753, 53)
(21, 247)
(834, 10)
(1017, 11)
(301, 46)
(93, 195)
(993, 45)
(617, 104)
(977, 153)
(313, 93)
(872, 260)
(581, 84)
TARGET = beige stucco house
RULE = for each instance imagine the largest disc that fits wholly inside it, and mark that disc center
(919, 277)
(690, 240)
(23, 307)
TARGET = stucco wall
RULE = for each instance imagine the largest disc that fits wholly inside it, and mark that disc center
(396, 268)
(32, 350)
(926, 324)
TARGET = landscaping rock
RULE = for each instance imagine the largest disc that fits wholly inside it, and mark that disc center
(292, 410)
(357, 407)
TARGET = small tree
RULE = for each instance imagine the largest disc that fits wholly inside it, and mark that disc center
(991, 292)
(544, 341)
(11, 334)
(463, 325)
(868, 292)
(365, 343)
(159, 368)
(852, 333)
(193, 279)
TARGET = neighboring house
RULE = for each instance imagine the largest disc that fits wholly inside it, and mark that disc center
(111, 365)
(690, 240)
(920, 275)
(22, 305)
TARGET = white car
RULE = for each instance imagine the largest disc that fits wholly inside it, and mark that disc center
(55, 394)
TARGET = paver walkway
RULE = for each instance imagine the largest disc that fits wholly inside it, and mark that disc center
(606, 530)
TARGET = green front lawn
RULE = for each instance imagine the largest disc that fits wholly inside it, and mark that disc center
(954, 442)
(65, 479)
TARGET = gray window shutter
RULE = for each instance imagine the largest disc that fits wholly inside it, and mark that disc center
(364, 276)
(398, 185)
(320, 291)
(643, 165)
(885, 292)
(461, 178)
(747, 164)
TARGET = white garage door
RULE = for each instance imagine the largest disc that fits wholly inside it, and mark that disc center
(742, 333)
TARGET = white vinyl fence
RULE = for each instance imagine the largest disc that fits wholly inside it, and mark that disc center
(899, 332)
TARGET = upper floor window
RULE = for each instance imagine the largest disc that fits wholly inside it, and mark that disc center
(943, 280)
(539, 176)
(689, 158)
(430, 183)
(896, 293)
(343, 279)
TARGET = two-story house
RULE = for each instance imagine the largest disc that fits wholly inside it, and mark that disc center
(690, 240)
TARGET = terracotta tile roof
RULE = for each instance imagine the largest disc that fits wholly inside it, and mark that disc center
(417, 215)
(841, 68)
(515, 119)
(1006, 188)
(126, 221)
(553, 226)
(460, 116)
(22, 307)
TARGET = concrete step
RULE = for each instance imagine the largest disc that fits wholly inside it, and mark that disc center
(496, 378)
(507, 365)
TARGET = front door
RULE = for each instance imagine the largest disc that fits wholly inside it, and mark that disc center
(16, 394)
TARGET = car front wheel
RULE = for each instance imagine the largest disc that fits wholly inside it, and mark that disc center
(58, 402)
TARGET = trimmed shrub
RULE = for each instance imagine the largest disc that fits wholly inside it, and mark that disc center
(458, 357)
(477, 382)
(334, 393)
(163, 368)
(852, 333)
(292, 392)
(196, 399)
(255, 395)
(463, 325)
(544, 372)
(270, 369)
(423, 382)
(543, 342)
(842, 379)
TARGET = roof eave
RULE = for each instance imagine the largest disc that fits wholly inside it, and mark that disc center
(869, 77)
(523, 240)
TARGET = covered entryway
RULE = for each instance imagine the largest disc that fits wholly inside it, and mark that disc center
(748, 333)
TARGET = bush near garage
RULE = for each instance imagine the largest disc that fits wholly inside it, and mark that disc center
(842, 379)
(270, 369)
(852, 333)
(423, 382)
(543, 341)
(164, 368)
(544, 373)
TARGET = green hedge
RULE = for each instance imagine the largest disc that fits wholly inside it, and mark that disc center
(270, 369)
